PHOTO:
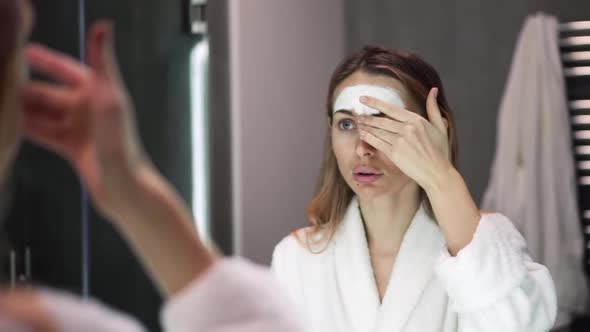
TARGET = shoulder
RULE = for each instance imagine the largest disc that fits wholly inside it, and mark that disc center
(302, 243)
(498, 219)
(295, 242)
(494, 217)
(489, 216)
(300, 257)
(498, 224)
(286, 248)
(484, 212)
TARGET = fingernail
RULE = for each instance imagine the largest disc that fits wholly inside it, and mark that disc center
(105, 35)
(364, 99)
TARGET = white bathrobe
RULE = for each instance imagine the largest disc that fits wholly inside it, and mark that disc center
(233, 296)
(533, 179)
(491, 285)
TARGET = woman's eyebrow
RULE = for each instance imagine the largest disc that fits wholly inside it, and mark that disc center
(347, 112)
(351, 114)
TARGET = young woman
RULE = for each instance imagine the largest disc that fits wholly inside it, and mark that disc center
(397, 242)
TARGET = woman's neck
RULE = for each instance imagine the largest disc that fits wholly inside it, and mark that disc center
(386, 219)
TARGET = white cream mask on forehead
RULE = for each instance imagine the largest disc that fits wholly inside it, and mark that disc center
(348, 99)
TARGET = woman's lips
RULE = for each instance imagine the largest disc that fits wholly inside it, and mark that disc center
(366, 178)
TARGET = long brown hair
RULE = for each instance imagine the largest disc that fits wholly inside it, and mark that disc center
(10, 21)
(333, 195)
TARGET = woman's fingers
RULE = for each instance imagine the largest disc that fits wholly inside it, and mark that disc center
(46, 115)
(100, 52)
(402, 115)
(382, 134)
(57, 66)
(376, 142)
(45, 131)
(393, 111)
(434, 113)
(382, 123)
(48, 98)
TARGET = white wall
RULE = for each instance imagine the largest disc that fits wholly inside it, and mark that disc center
(282, 54)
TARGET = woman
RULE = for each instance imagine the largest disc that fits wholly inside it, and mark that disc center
(88, 119)
(397, 242)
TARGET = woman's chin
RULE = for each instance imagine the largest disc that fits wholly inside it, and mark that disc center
(368, 191)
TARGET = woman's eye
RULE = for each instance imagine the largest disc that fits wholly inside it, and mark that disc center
(346, 124)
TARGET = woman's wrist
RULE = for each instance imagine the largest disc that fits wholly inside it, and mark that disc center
(159, 226)
(126, 192)
(456, 212)
(442, 178)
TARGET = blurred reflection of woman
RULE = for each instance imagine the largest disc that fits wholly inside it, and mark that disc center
(88, 119)
(396, 242)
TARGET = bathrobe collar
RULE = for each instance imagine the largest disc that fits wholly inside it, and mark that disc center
(413, 268)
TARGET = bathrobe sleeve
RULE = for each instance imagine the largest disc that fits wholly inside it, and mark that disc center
(494, 285)
(233, 296)
(71, 314)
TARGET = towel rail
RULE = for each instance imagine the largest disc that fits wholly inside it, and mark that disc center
(574, 41)
(576, 56)
(574, 26)
(577, 71)
(580, 104)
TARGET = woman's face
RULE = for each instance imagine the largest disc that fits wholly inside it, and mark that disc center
(355, 157)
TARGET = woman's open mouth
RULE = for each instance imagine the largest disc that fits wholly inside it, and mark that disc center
(366, 175)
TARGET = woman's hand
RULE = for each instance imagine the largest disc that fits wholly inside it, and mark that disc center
(87, 118)
(419, 148)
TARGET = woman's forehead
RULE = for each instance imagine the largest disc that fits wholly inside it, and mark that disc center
(360, 78)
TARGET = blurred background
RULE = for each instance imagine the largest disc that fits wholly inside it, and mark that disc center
(230, 99)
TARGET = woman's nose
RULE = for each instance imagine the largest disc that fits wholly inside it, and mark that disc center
(364, 149)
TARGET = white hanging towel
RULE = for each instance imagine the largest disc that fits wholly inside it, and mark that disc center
(532, 177)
